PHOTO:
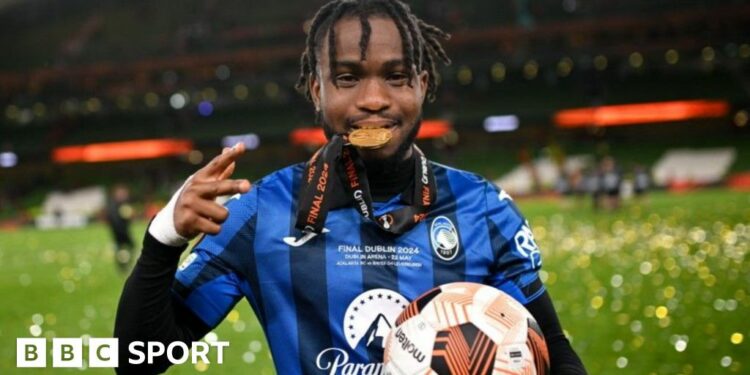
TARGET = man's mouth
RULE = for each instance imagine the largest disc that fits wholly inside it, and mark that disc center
(373, 124)
(371, 133)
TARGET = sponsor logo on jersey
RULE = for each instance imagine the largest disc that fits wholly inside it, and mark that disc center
(297, 242)
(444, 238)
(526, 245)
(367, 323)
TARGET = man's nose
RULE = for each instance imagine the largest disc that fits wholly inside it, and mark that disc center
(373, 97)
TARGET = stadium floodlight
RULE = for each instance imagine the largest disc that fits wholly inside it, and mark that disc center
(313, 136)
(600, 62)
(124, 150)
(636, 60)
(498, 72)
(465, 75)
(741, 118)
(178, 100)
(251, 140)
(223, 72)
(205, 108)
(496, 124)
(672, 56)
(641, 113)
(151, 99)
(530, 69)
(434, 129)
(708, 54)
(8, 159)
(241, 92)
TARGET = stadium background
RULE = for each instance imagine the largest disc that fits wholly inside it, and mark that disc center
(657, 286)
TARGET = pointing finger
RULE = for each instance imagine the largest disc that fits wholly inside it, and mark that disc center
(220, 163)
(227, 172)
(223, 187)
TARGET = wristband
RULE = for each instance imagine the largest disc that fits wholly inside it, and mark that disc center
(162, 227)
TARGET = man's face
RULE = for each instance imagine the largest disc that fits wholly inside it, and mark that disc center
(372, 93)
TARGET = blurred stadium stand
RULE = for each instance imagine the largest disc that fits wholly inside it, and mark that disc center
(693, 167)
(75, 72)
(71, 209)
(520, 181)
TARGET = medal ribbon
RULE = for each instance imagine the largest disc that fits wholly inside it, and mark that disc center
(336, 176)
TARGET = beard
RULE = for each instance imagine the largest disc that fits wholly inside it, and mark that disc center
(389, 163)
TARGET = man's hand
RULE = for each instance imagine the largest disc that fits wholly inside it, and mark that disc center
(196, 211)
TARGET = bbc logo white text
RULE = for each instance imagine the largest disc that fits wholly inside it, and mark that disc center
(103, 352)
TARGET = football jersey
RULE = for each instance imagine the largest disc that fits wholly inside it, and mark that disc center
(326, 302)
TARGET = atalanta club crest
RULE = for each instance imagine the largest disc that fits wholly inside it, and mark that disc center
(444, 238)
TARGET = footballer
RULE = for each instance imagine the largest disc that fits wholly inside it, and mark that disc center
(328, 252)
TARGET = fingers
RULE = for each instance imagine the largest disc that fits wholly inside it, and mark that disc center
(215, 189)
(197, 215)
(227, 172)
(219, 165)
(203, 225)
(211, 210)
(189, 222)
(195, 210)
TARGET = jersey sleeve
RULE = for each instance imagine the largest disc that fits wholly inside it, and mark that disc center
(209, 281)
(517, 258)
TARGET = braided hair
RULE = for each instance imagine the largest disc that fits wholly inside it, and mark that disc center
(420, 40)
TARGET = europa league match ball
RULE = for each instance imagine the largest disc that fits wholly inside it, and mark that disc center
(465, 328)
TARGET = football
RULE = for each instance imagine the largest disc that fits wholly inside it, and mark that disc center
(465, 328)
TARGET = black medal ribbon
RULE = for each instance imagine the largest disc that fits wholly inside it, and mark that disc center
(336, 176)
(318, 188)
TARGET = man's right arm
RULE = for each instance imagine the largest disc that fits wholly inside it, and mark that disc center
(149, 312)
(148, 309)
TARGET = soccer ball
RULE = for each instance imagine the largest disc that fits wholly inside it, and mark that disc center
(465, 328)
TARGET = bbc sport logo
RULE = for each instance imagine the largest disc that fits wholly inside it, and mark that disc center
(103, 352)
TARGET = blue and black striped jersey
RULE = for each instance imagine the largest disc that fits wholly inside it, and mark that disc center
(326, 302)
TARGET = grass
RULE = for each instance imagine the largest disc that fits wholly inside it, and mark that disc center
(67, 280)
(658, 287)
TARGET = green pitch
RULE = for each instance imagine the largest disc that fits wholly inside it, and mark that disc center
(658, 287)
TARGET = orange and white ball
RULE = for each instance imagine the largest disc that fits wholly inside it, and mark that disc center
(466, 328)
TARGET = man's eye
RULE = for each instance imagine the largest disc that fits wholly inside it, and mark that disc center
(398, 78)
(346, 79)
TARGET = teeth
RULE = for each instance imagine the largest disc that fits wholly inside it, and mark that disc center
(370, 128)
(370, 138)
(374, 125)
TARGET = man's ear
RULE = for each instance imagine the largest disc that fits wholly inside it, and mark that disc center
(423, 78)
(315, 90)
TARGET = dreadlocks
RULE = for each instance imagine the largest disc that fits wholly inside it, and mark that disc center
(420, 40)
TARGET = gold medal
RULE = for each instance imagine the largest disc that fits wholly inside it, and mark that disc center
(370, 138)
